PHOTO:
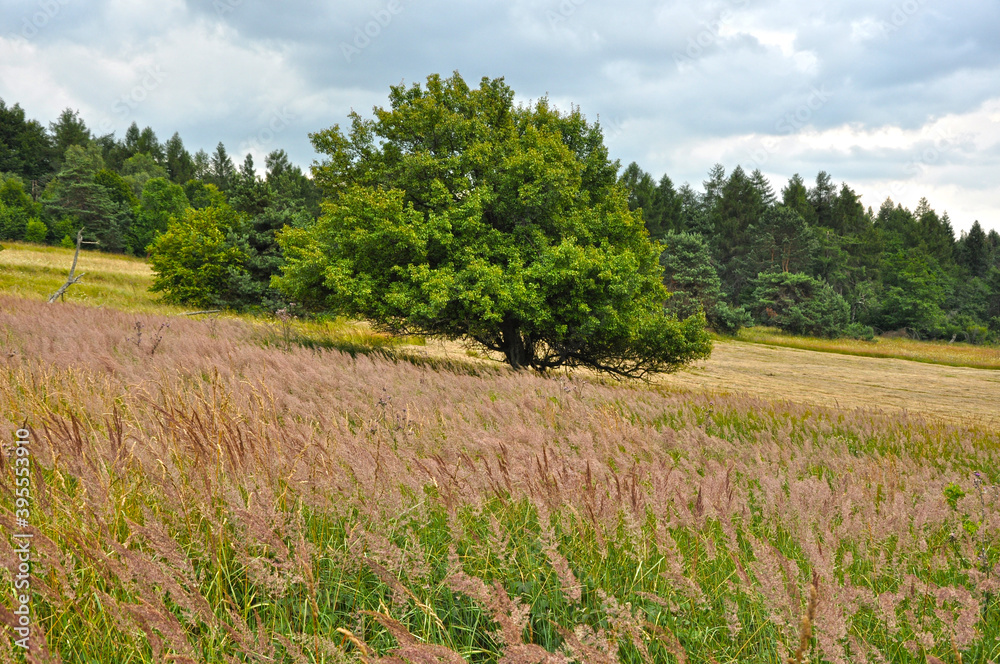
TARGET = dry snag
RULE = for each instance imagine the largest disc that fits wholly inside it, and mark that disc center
(70, 280)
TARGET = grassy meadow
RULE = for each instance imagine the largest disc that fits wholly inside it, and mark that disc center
(933, 352)
(229, 490)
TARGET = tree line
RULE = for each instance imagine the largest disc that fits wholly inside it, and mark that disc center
(812, 260)
(808, 259)
(207, 224)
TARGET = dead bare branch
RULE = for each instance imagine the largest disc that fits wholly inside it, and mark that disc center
(70, 280)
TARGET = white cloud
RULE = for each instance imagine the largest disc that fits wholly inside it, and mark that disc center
(678, 86)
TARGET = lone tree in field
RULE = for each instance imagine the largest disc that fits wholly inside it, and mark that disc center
(455, 213)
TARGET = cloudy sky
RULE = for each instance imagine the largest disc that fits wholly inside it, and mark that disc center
(898, 98)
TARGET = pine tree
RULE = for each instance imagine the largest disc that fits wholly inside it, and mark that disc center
(69, 130)
(290, 189)
(149, 144)
(25, 147)
(178, 161)
(248, 193)
(131, 142)
(667, 206)
(737, 209)
(796, 196)
(641, 190)
(202, 166)
(76, 198)
(713, 186)
(221, 169)
(822, 197)
(693, 217)
(935, 233)
(763, 187)
(974, 251)
(849, 216)
(782, 242)
(688, 274)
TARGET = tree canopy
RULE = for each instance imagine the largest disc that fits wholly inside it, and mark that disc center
(895, 268)
(455, 212)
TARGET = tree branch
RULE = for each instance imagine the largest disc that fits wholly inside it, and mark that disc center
(70, 280)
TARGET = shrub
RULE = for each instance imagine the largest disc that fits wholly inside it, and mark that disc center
(192, 260)
(35, 231)
(799, 304)
(859, 331)
(728, 319)
(12, 223)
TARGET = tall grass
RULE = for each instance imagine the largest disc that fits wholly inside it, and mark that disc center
(934, 352)
(223, 500)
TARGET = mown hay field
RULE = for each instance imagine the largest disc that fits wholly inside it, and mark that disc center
(957, 394)
(227, 496)
(933, 352)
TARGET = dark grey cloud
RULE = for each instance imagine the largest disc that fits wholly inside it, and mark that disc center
(856, 88)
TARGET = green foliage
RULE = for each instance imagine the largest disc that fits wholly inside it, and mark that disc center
(69, 129)
(694, 284)
(118, 188)
(140, 169)
(896, 268)
(795, 196)
(782, 241)
(258, 211)
(799, 304)
(974, 251)
(202, 194)
(456, 213)
(162, 200)
(78, 200)
(729, 319)
(859, 331)
(915, 290)
(35, 231)
(13, 222)
(13, 194)
(220, 168)
(660, 204)
(16, 208)
(178, 160)
(290, 189)
(25, 147)
(193, 261)
(952, 494)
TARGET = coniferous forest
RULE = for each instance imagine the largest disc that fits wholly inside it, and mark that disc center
(804, 256)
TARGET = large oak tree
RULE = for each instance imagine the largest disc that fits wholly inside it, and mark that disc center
(456, 213)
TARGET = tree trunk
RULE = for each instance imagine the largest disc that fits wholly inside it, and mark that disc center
(71, 279)
(515, 349)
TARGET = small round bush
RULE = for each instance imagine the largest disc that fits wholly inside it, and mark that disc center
(35, 231)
